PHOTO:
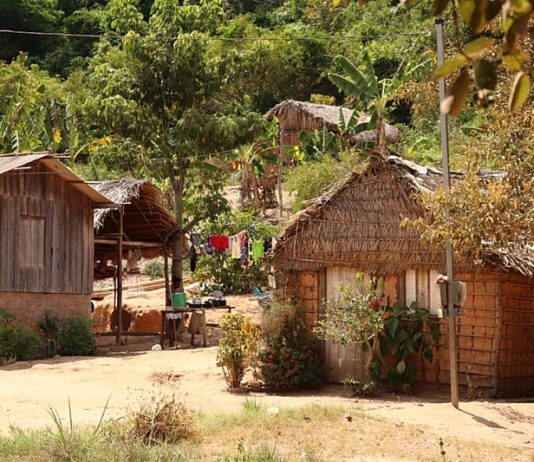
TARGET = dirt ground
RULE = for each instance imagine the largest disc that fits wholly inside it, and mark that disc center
(29, 388)
(125, 377)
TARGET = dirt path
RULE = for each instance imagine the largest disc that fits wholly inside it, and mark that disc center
(28, 388)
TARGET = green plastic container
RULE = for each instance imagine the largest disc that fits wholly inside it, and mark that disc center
(179, 300)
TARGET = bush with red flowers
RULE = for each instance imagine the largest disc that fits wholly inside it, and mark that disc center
(289, 358)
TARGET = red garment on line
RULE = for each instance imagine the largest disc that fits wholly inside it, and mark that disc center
(220, 242)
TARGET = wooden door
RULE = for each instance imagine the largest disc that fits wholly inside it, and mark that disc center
(347, 361)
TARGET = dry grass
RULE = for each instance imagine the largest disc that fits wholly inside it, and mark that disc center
(332, 433)
(257, 434)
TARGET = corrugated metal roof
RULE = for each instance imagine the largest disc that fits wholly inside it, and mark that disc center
(9, 163)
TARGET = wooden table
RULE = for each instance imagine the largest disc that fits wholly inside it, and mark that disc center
(163, 332)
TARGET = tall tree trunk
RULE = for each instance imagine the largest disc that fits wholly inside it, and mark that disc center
(178, 257)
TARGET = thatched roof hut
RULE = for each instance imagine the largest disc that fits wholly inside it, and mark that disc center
(146, 220)
(357, 222)
(355, 227)
(297, 116)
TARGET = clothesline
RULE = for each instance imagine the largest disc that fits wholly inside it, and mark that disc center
(243, 246)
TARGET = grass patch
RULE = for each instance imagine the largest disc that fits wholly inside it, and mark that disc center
(256, 433)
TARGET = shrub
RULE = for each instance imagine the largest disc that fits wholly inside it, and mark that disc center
(161, 419)
(311, 179)
(76, 338)
(237, 347)
(289, 358)
(18, 342)
(154, 269)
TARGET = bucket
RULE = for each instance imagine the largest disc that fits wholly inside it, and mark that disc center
(179, 300)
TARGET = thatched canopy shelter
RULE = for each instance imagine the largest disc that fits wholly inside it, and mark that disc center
(357, 222)
(146, 220)
(297, 116)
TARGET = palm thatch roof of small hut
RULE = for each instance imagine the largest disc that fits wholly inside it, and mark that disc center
(145, 217)
(303, 116)
(357, 224)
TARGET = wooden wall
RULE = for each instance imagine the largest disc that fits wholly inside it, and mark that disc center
(46, 234)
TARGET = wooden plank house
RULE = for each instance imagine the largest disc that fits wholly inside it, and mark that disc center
(355, 228)
(46, 237)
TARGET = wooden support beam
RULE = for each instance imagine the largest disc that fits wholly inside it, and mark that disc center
(119, 277)
(140, 244)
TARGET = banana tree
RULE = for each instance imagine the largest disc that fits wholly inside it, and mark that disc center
(368, 94)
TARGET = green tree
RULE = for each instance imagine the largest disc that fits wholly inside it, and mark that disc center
(33, 109)
(164, 100)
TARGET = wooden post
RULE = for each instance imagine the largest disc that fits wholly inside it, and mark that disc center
(119, 276)
(280, 171)
(204, 329)
(448, 246)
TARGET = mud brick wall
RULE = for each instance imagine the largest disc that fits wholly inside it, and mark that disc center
(476, 328)
(302, 289)
(516, 353)
(308, 297)
(31, 307)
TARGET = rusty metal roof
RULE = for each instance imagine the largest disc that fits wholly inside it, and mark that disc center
(11, 162)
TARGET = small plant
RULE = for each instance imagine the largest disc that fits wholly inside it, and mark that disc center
(289, 356)
(50, 326)
(70, 442)
(407, 331)
(161, 419)
(76, 338)
(361, 389)
(442, 451)
(237, 347)
(154, 269)
(259, 454)
(18, 342)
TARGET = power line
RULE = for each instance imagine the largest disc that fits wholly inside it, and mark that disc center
(214, 38)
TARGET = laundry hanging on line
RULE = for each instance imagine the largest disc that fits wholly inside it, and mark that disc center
(219, 242)
(257, 249)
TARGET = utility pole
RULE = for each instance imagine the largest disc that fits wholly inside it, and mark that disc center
(448, 245)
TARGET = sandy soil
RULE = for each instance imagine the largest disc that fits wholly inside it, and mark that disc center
(29, 388)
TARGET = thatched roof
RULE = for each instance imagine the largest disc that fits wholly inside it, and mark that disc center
(303, 116)
(145, 217)
(356, 223)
